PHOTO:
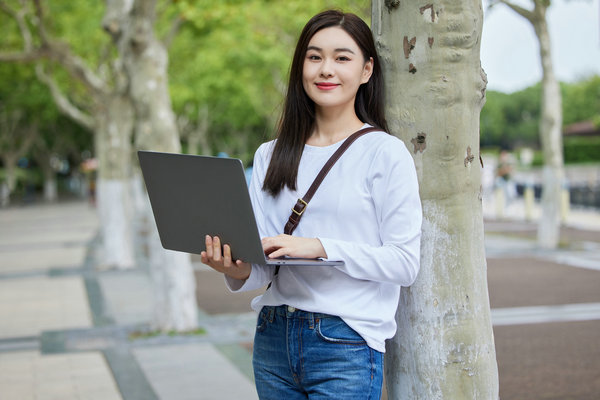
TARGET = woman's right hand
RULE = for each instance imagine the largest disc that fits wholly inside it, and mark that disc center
(223, 262)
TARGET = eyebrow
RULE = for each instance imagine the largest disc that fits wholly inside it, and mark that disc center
(338, 50)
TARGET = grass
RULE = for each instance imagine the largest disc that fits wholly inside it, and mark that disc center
(156, 333)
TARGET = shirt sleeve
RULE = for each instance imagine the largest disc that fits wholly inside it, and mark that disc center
(260, 275)
(395, 195)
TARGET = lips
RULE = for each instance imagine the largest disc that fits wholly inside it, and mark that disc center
(326, 85)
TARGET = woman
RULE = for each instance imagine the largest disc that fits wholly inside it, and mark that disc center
(321, 330)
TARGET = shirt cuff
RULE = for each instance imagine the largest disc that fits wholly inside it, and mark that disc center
(235, 285)
(330, 249)
(254, 281)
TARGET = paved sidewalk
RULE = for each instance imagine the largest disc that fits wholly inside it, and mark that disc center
(64, 325)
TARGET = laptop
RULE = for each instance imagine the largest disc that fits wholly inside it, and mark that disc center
(193, 196)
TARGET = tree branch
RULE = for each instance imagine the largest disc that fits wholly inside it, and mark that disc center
(63, 102)
(60, 52)
(24, 57)
(175, 26)
(525, 13)
(50, 48)
(19, 17)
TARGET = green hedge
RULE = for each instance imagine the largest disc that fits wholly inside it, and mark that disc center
(581, 149)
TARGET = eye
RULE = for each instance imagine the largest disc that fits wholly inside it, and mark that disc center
(313, 57)
(343, 58)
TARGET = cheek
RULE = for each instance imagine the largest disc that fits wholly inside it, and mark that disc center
(307, 71)
(307, 76)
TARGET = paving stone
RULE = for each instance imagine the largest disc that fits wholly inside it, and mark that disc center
(32, 305)
(31, 375)
(194, 371)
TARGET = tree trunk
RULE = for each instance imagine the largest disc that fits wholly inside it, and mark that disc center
(550, 127)
(10, 169)
(198, 136)
(551, 139)
(444, 348)
(50, 185)
(145, 62)
(43, 155)
(113, 149)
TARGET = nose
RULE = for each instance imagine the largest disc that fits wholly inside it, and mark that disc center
(326, 69)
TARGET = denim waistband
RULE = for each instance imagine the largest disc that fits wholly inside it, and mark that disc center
(292, 312)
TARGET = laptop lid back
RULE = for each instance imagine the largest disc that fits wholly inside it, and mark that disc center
(194, 196)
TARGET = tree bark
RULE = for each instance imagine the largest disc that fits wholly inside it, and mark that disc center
(551, 138)
(113, 150)
(9, 161)
(444, 348)
(50, 184)
(145, 62)
(550, 128)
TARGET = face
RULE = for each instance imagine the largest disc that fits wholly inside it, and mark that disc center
(334, 68)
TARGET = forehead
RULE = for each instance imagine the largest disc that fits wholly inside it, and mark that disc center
(333, 38)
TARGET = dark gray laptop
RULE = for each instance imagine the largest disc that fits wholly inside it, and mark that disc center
(194, 196)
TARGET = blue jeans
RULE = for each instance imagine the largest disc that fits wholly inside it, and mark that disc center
(304, 355)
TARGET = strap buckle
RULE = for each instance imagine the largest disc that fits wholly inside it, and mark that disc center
(302, 204)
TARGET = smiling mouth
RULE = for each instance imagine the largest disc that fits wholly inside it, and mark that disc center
(326, 85)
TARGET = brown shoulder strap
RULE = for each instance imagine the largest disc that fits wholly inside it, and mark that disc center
(301, 204)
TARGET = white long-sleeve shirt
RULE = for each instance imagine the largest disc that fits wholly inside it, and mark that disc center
(367, 212)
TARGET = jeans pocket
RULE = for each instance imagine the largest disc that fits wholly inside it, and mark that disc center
(262, 321)
(335, 330)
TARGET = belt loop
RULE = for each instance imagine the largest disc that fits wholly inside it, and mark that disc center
(271, 314)
(311, 321)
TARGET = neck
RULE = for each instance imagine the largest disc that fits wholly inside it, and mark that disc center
(332, 126)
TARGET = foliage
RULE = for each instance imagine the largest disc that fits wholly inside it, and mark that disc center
(230, 57)
(582, 101)
(512, 120)
(233, 57)
(509, 120)
(582, 149)
(29, 105)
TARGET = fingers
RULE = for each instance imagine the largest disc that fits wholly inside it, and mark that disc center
(227, 256)
(274, 243)
(209, 249)
(216, 248)
(292, 246)
(278, 253)
(216, 256)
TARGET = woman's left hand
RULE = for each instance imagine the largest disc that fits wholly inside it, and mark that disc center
(293, 246)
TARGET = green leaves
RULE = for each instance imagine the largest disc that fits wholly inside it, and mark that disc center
(233, 56)
(510, 120)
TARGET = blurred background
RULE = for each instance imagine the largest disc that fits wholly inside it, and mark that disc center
(78, 317)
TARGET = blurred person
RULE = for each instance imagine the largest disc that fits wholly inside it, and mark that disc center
(321, 331)
(504, 182)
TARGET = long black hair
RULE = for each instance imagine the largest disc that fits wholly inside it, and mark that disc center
(298, 116)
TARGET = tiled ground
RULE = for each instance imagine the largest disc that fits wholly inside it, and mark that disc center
(31, 305)
(28, 375)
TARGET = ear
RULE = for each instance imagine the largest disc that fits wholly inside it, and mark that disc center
(367, 71)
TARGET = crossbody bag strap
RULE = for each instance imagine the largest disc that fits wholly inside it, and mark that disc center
(301, 204)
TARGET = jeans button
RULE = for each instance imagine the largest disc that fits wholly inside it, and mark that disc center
(291, 309)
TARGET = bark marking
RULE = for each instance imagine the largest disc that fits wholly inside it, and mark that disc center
(470, 157)
(419, 142)
(409, 45)
(428, 7)
(392, 4)
(411, 68)
(430, 41)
